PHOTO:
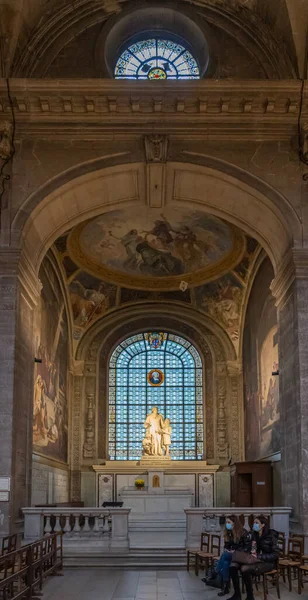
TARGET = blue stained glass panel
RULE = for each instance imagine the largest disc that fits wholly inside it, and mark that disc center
(178, 395)
(156, 59)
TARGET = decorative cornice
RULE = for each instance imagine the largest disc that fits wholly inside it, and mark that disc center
(294, 266)
(221, 109)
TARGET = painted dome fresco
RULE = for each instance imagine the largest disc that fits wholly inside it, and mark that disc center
(146, 248)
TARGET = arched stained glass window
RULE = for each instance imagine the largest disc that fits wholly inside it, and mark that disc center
(155, 369)
(156, 59)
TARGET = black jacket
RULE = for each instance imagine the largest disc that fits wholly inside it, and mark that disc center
(267, 545)
(241, 544)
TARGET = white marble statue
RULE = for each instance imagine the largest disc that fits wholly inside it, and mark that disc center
(166, 437)
(158, 434)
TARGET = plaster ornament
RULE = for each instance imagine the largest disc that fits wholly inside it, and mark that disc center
(156, 147)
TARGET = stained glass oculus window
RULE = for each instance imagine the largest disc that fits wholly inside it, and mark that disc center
(155, 369)
(156, 59)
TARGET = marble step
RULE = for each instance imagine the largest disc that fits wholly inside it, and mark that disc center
(138, 558)
(158, 526)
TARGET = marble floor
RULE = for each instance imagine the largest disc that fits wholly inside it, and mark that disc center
(116, 584)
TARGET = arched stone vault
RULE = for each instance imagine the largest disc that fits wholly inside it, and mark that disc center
(53, 33)
(267, 217)
(223, 412)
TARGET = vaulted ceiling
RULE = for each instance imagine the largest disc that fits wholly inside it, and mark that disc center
(34, 33)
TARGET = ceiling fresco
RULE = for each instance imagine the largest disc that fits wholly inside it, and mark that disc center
(148, 249)
(123, 258)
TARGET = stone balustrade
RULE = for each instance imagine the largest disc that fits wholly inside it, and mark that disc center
(75, 523)
(210, 519)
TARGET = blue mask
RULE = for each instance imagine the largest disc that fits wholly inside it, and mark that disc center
(256, 527)
(229, 526)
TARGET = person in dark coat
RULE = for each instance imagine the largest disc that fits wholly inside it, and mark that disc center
(235, 538)
(263, 544)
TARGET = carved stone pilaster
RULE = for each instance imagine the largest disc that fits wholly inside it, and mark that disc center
(89, 438)
(222, 441)
(76, 412)
(294, 266)
(235, 421)
(6, 140)
(236, 389)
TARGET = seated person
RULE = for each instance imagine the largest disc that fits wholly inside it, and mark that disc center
(235, 538)
(263, 546)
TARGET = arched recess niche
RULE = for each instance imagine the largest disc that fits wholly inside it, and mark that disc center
(223, 415)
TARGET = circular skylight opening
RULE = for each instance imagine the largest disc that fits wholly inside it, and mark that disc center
(156, 58)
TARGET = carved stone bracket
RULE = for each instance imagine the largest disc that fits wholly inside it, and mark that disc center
(156, 148)
(89, 443)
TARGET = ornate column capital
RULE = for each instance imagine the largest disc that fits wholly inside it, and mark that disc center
(234, 368)
(294, 266)
(77, 367)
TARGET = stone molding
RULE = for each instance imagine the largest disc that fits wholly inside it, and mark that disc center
(220, 109)
(15, 264)
(294, 266)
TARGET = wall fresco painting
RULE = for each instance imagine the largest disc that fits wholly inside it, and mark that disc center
(269, 392)
(50, 410)
(222, 300)
(145, 248)
(90, 298)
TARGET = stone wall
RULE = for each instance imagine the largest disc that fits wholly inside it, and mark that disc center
(50, 485)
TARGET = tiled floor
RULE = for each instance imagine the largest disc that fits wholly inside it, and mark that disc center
(101, 584)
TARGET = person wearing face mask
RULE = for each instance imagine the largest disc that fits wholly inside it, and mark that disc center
(235, 538)
(263, 547)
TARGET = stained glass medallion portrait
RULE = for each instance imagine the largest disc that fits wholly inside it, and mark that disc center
(155, 59)
(155, 369)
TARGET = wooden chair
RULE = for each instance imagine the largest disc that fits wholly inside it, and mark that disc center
(204, 547)
(205, 559)
(302, 573)
(9, 544)
(273, 576)
(292, 561)
(281, 544)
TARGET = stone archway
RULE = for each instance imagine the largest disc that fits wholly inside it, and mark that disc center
(222, 384)
(255, 208)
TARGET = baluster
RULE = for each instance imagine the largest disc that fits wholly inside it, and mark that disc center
(246, 522)
(96, 525)
(58, 525)
(47, 529)
(76, 528)
(106, 524)
(217, 527)
(67, 527)
(86, 527)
